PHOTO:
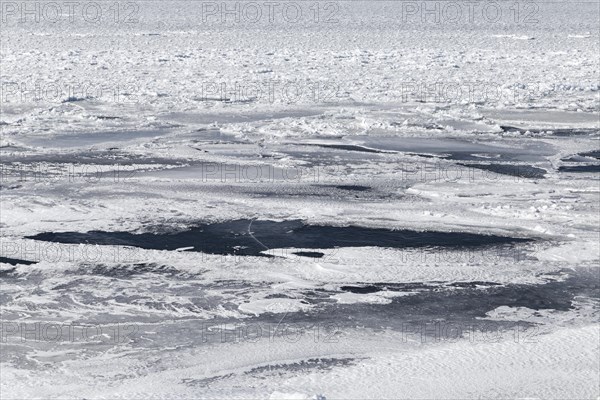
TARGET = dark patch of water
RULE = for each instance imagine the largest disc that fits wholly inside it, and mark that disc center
(15, 261)
(357, 188)
(520, 170)
(466, 302)
(310, 254)
(252, 238)
(594, 154)
(352, 147)
(580, 168)
(361, 289)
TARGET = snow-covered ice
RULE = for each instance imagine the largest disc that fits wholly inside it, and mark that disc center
(346, 199)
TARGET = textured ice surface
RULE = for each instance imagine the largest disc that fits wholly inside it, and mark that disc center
(365, 155)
